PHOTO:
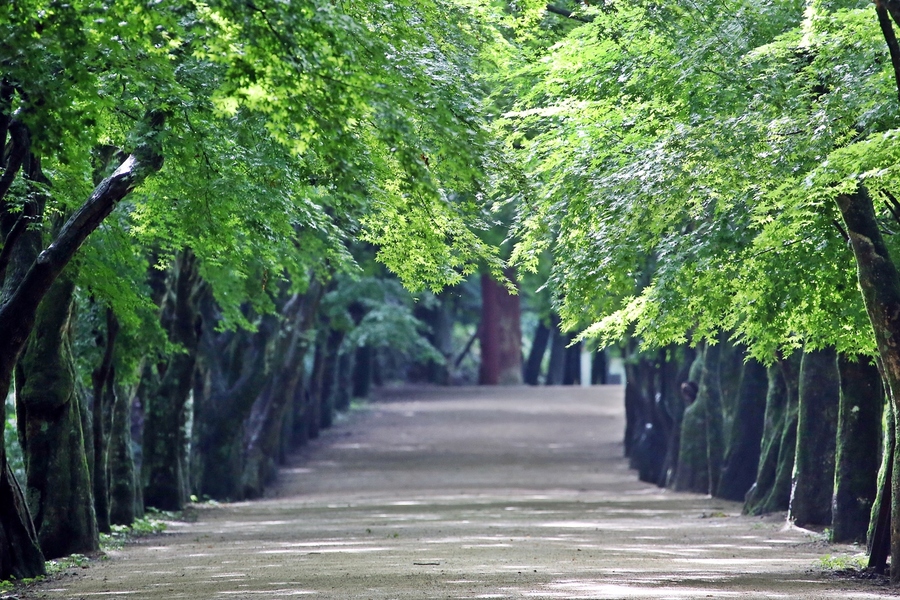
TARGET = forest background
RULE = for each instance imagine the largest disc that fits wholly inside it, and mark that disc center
(220, 222)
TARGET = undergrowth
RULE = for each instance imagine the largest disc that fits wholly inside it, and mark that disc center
(842, 563)
(149, 525)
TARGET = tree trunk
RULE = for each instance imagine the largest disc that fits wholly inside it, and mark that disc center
(819, 398)
(598, 368)
(880, 284)
(572, 371)
(879, 538)
(362, 372)
(23, 291)
(104, 397)
(329, 393)
(501, 334)
(858, 446)
(123, 502)
(231, 375)
(265, 427)
(164, 463)
(702, 445)
(558, 341)
(742, 460)
(536, 356)
(58, 481)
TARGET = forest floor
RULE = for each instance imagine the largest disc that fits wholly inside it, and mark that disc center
(472, 493)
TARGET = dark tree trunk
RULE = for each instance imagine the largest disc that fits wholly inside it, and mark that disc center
(558, 341)
(772, 490)
(312, 413)
(677, 386)
(532, 370)
(343, 382)
(123, 502)
(572, 371)
(104, 397)
(362, 372)
(58, 480)
(742, 459)
(329, 393)
(501, 334)
(231, 375)
(858, 446)
(598, 368)
(880, 284)
(644, 390)
(813, 480)
(702, 446)
(20, 555)
(879, 538)
(262, 440)
(164, 463)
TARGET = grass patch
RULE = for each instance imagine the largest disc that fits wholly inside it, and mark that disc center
(842, 563)
(120, 534)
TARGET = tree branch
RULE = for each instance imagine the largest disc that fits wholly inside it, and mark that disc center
(17, 313)
(556, 10)
(20, 146)
(890, 38)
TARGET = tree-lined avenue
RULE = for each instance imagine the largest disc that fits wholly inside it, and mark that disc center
(470, 493)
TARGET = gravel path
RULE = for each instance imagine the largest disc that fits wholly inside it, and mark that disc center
(470, 493)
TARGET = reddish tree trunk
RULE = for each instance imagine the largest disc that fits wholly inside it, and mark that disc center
(500, 334)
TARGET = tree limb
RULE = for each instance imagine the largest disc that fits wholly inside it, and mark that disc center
(20, 146)
(890, 38)
(18, 312)
(556, 10)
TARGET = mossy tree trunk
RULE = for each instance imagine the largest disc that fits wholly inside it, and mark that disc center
(819, 399)
(104, 397)
(858, 447)
(123, 499)
(164, 463)
(262, 439)
(702, 443)
(879, 536)
(26, 283)
(742, 459)
(58, 482)
(879, 280)
(771, 490)
(232, 370)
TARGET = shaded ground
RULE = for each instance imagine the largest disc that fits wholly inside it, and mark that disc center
(471, 493)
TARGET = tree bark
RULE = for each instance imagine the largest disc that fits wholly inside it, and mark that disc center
(104, 396)
(880, 284)
(262, 441)
(123, 500)
(858, 446)
(742, 459)
(812, 485)
(501, 334)
(231, 374)
(164, 463)
(702, 445)
(558, 341)
(19, 301)
(536, 356)
(58, 481)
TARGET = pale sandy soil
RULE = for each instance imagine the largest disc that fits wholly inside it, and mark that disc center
(471, 493)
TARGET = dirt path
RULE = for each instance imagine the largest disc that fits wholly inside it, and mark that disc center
(471, 493)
